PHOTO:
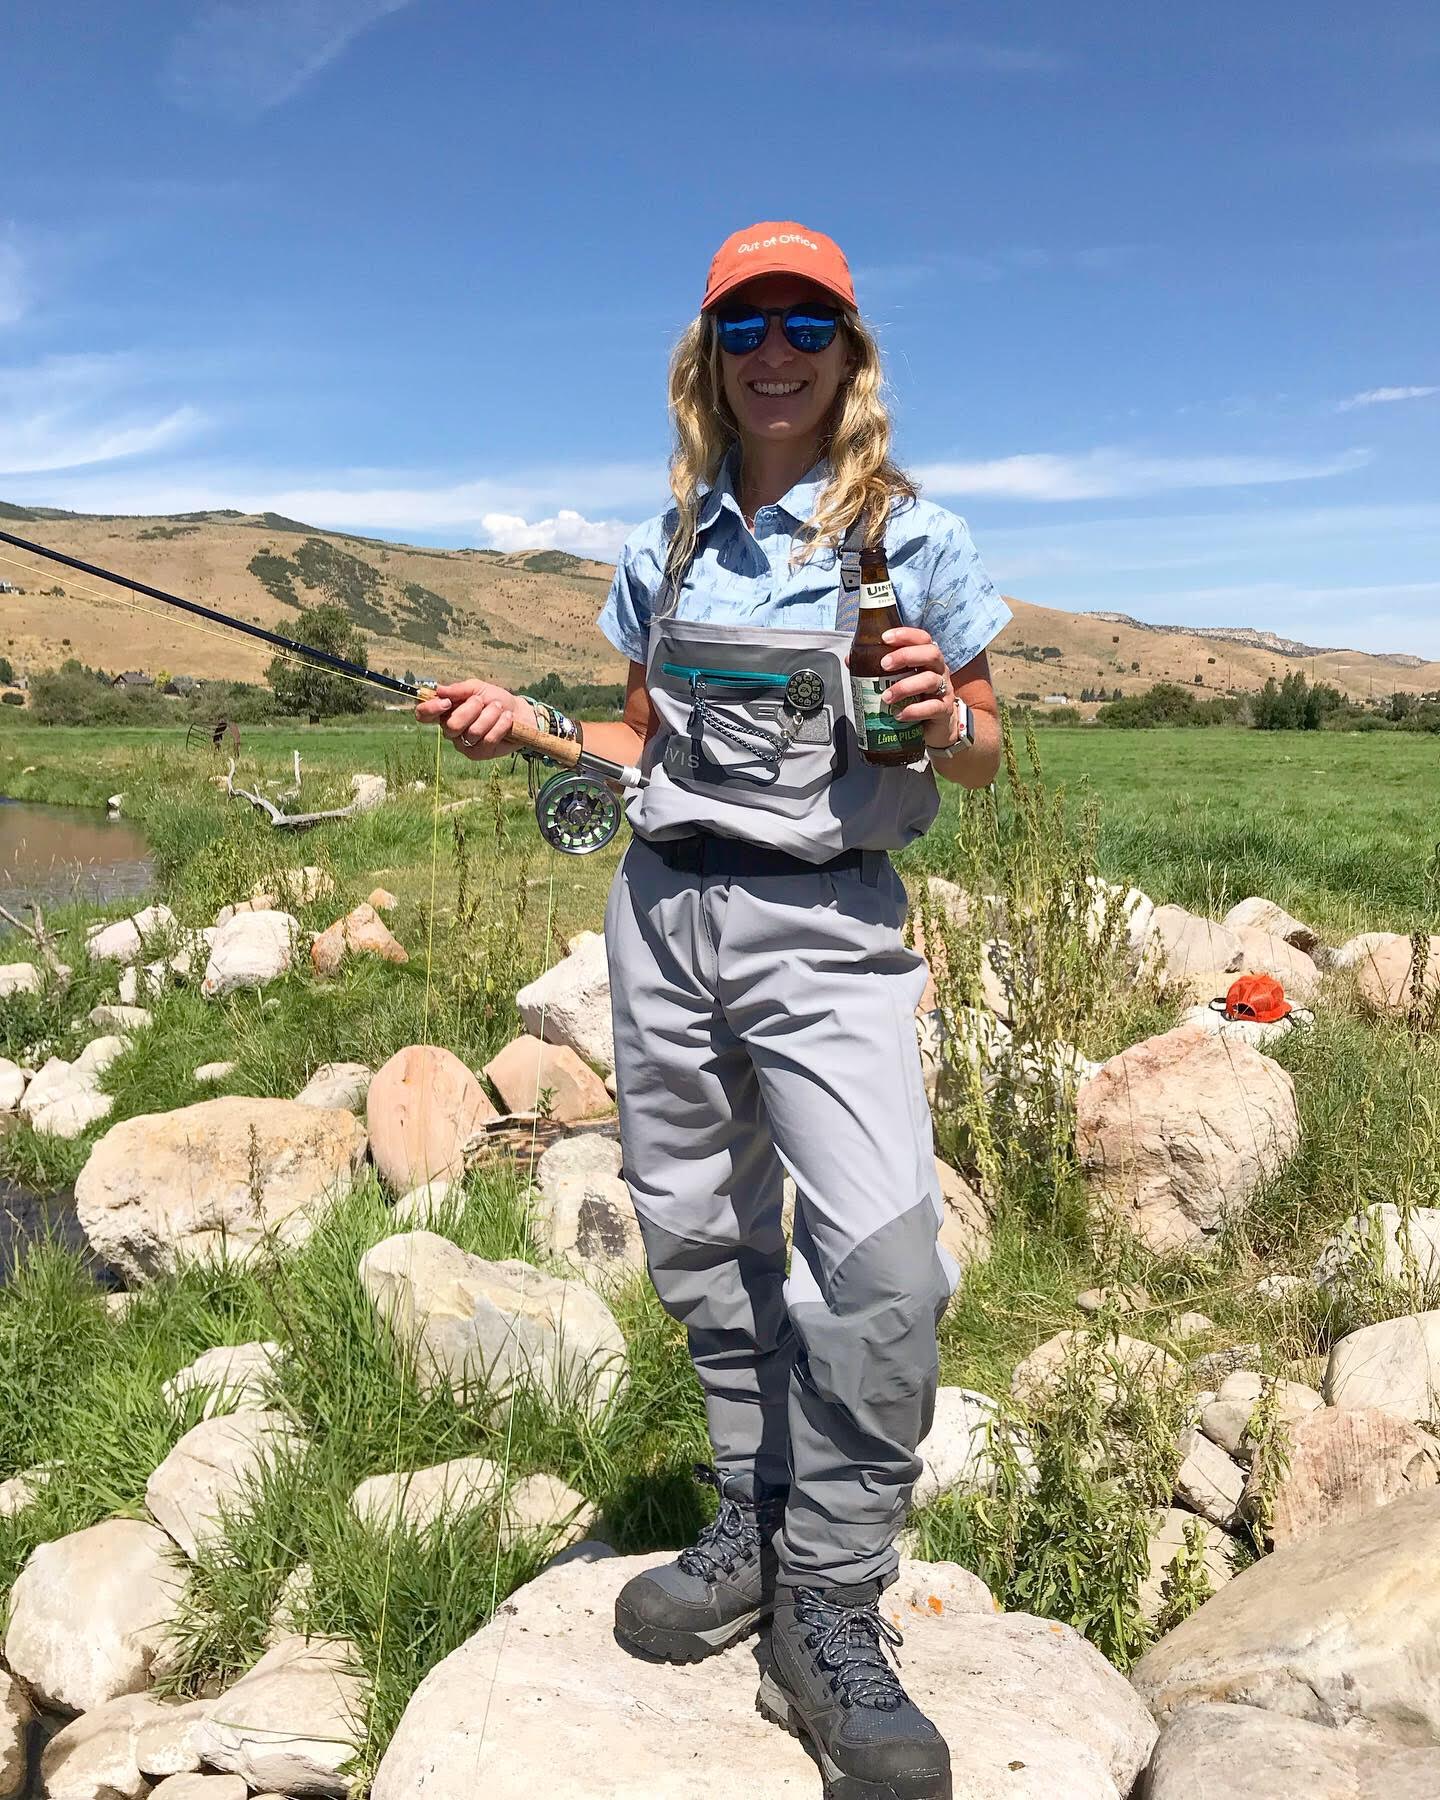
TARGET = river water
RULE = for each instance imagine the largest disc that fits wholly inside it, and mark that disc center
(57, 855)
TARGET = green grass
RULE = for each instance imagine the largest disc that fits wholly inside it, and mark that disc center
(1336, 828)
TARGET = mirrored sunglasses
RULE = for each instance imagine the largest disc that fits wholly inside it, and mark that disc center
(808, 327)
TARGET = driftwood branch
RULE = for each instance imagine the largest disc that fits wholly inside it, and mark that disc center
(36, 933)
(283, 821)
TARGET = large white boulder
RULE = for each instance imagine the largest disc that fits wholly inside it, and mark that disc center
(215, 1469)
(570, 1003)
(422, 1108)
(492, 1325)
(95, 1756)
(202, 1787)
(964, 1447)
(343, 1085)
(1114, 1362)
(1383, 1241)
(1339, 1628)
(166, 1745)
(1170, 1539)
(1207, 1480)
(63, 1098)
(293, 1722)
(89, 1613)
(231, 1377)
(1030, 1710)
(418, 1497)
(1259, 914)
(249, 950)
(583, 1207)
(1355, 950)
(1225, 1420)
(1262, 954)
(1221, 1751)
(1181, 1129)
(125, 940)
(1182, 943)
(12, 1084)
(223, 1177)
(19, 978)
(1395, 1365)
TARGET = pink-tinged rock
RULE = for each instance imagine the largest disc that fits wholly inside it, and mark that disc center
(1345, 1461)
(362, 931)
(1180, 1129)
(423, 1107)
(1390, 978)
(381, 899)
(526, 1071)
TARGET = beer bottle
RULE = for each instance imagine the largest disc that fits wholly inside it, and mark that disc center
(884, 739)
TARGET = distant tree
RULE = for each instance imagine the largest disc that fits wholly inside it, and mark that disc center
(302, 687)
(7, 674)
(1051, 652)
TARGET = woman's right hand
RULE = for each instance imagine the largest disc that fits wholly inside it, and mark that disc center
(475, 716)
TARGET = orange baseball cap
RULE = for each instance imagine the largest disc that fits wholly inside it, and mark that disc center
(1258, 997)
(779, 247)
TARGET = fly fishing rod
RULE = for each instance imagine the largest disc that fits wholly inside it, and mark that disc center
(576, 810)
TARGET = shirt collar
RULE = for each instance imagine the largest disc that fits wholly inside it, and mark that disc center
(799, 501)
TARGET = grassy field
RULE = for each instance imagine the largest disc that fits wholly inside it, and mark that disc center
(1339, 829)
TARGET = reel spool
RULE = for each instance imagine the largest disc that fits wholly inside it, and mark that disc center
(576, 813)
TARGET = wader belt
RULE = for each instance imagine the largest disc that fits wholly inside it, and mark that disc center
(705, 853)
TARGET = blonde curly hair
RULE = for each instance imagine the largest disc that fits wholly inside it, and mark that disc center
(856, 440)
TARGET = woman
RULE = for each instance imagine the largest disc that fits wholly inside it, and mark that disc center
(763, 996)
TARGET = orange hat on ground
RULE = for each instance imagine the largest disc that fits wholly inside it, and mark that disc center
(1258, 997)
(779, 247)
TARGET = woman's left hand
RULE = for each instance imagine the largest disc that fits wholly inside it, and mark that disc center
(921, 693)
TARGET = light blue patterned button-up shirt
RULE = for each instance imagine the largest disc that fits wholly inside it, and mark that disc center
(940, 583)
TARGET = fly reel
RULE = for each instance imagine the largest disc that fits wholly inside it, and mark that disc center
(576, 813)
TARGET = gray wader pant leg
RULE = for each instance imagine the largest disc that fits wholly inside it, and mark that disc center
(761, 1021)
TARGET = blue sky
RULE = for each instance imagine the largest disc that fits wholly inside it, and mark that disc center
(1156, 285)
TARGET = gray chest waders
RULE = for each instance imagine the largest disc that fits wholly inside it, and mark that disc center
(764, 1005)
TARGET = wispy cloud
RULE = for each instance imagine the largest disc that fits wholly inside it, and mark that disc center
(571, 503)
(244, 58)
(1383, 396)
(1115, 473)
(72, 412)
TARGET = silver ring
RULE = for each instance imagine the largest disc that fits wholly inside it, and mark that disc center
(469, 742)
(943, 690)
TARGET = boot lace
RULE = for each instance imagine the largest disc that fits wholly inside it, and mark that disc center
(733, 1534)
(847, 1642)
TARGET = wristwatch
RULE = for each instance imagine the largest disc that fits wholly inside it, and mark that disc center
(964, 741)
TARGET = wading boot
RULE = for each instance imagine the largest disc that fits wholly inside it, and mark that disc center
(828, 1683)
(719, 1589)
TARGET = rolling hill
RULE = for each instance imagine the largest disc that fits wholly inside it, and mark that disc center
(516, 617)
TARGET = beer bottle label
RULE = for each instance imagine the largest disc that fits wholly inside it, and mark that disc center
(876, 725)
(877, 593)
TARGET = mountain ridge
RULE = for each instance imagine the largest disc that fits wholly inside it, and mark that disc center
(517, 615)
